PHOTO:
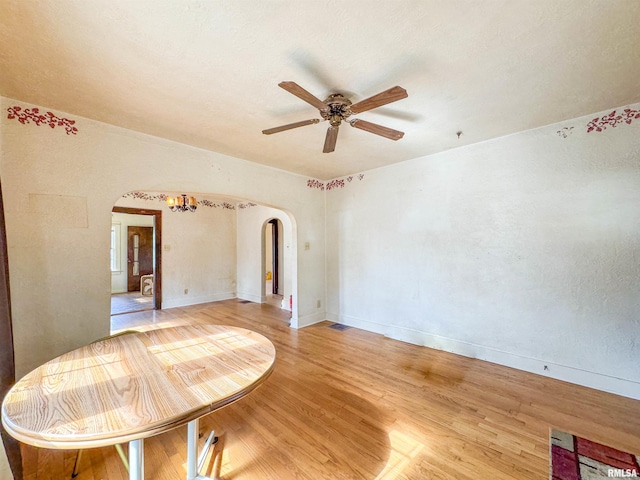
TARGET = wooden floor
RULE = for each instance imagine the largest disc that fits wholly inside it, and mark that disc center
(130, 302)
(349, 404)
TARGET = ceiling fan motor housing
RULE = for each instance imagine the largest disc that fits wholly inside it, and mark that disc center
(337, 109)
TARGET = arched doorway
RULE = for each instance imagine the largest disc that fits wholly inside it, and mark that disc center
(273, 255)
(217, 252)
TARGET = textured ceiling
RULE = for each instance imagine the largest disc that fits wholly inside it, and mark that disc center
(206, 73)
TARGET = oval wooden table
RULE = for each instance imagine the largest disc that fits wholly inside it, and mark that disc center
(130, 387)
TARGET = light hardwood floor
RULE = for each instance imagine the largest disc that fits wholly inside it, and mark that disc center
(355, 405)
(130, 302)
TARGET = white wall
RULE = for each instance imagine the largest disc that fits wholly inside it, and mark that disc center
(125, 220)
(523, 250)
(62, 189)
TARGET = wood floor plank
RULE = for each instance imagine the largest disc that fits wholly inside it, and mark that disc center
(351, 404)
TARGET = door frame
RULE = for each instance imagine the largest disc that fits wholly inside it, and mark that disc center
(275, 255)
(157, 266)
(7, 355)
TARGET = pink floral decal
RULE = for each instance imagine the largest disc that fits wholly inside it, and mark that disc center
(333, 184)
(315, 184)
(29, 115)
(564, 132)
(612, 120)
(162, 197)
(210, 204)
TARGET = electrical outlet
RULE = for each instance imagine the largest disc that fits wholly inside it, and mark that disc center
(186, 291)
(319, 304)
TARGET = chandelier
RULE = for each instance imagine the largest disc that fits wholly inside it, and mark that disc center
(182, 203)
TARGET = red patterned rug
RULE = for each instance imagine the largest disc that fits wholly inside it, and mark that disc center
(575, 458)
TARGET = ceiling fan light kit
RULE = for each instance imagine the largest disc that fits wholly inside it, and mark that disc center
(336, 108)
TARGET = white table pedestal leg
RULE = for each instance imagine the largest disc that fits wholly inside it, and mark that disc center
(192, 450)
(194, 464)
(136, 459)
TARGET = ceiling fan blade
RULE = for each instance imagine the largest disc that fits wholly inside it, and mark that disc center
(289, 126)
(330, 140)
(377, 129)
(298, 91)
(388, 96)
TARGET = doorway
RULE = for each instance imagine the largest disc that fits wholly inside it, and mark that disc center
(274, 262)
(8, 445)
(139, 256)
(136, 260)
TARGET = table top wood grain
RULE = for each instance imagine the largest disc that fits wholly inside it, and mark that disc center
(134, 386)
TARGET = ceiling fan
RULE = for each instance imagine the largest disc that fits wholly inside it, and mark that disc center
(336, 108)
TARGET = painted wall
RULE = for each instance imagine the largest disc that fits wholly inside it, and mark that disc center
(523, 250)
(124, 220)
(62, 188)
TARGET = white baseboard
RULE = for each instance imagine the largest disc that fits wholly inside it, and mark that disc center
(187, 300)
(358, 323)
(251, 297)
(332, 317)
(606, 383)
(307, 320)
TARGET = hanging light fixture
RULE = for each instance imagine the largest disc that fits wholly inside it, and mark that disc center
(182, 203)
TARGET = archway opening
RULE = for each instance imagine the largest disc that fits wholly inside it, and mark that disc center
(216, 252)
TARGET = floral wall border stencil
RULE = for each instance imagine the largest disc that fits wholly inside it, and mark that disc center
(599, 124)
(333, 184)
(210, 204)
(337, 183)
(312, 183)
(162, 197)
(29, 115)
(564, 132)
